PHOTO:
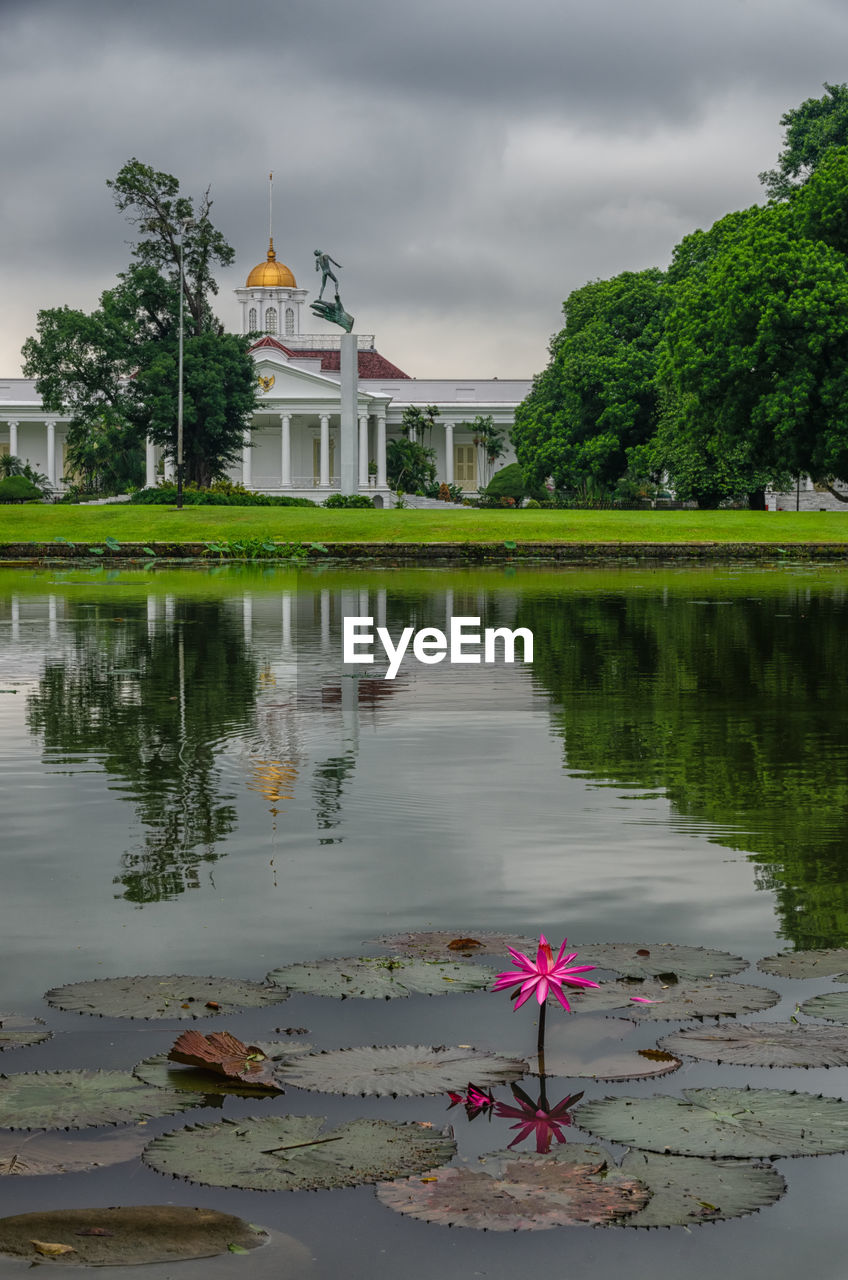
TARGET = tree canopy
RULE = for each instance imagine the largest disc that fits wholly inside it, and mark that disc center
(812, 129)
(114, 371)
(597, 398)
(726, 374)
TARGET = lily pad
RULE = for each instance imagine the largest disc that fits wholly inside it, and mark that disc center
(444, 944)
(518, 1193)
(763, 1044)
(399, 1071)
(380, 978)
(686, 1190)
(649, 959)
(31, 1154)
(722, 1122)
(291, 1153)
(833, 1006)
(806, 964)
(163, 996)
(657, 1001)
(164, 1074)
(127, 1236)
(17, 1032)
(81, 1099)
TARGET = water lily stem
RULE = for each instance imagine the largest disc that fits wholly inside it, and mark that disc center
(540, 1052)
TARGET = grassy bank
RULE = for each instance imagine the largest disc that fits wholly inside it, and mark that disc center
(304, 524)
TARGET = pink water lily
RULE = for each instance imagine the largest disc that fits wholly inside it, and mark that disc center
(543, 975)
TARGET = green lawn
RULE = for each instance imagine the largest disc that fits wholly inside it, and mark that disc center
(306, 524)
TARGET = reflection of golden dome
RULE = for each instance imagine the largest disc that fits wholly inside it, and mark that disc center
(271, 274)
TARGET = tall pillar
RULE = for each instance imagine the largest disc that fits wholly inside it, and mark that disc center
(246, 461)
(381, 450)
(13, 439)
(169, 468)
(51, 452)
(348, 436)
(449, 453)
(149, 463)
(363, 450)
(285, 445)
(324, 456)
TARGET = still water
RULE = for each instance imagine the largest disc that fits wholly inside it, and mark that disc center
(193, 783)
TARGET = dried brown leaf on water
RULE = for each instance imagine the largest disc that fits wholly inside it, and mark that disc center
(225, 1055)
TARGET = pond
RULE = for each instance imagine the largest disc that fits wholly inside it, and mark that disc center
(194, 783)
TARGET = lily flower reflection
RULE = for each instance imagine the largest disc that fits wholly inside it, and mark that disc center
(474, 1100)
(538, 1118)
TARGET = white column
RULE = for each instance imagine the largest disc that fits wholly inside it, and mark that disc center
(448, 453)
(363, 450)
(169, 468)
(16, 618)
(149, 463)
(285, 445)
(51, 452)
(324, 461)
(152, 615)
(348, 435)
(247, 617)
(246, 461)
(51, 617)
(13, 439)
(381, 450)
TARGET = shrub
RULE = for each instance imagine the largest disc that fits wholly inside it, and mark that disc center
(507, 502)
(226, 496)
(532, 502)
(18, 489)
(509, 482)
(348, 500)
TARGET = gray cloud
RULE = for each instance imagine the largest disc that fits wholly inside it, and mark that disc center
(469, 162)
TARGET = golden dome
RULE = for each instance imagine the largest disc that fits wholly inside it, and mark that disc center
(271, 274)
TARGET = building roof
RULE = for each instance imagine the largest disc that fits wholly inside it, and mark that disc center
(371, 363)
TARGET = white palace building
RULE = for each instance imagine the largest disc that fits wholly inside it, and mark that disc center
(292, 445)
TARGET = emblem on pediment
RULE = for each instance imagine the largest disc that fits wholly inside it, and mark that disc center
(266, 383)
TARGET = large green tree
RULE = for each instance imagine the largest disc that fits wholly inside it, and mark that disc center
(811, 131)
(115, 370)
(756, 349)
(597, 397)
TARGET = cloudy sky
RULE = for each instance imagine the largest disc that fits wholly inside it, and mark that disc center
(468, 161)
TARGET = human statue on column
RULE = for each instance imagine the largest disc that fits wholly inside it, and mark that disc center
(333, 311)
(322, 264)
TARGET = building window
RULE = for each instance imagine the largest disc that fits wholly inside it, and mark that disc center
(251, 320)
(289, 321)
(270, 319)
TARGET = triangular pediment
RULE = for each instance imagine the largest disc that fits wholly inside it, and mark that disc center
(281, 380)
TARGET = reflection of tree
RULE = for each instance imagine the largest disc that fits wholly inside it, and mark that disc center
(328, 784)
(737, 709)
(152, 709)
